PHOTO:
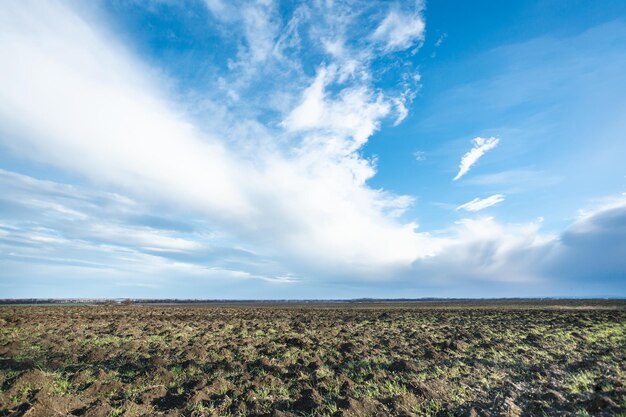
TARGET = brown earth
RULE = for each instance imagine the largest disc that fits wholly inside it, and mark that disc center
(402, 359)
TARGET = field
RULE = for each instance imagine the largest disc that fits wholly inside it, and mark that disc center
(523, 358)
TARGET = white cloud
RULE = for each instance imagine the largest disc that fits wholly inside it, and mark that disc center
(111, 233)
(419, 156)
(440, 40)
(219, 8)
(261, 31)
(286, 279)
(104, 115)
(481, 146)
(144, 237)
(341, 125)
(400, 29)
(483, 249)
(478, 204)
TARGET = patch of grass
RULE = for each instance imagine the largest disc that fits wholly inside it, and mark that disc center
(429, 408)
(24, 391)
(330, 409)
(177, 370)
(61, 384)
(282, 393)
(12, 332)
(109, 340)
(156, 338)
(116, 412)
(324, 372)
(11, 374)
(203, 407)
(392, 388)
(608, 333)
(263, 393)
(581, 382)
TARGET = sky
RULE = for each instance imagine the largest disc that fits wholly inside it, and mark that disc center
(320, 149)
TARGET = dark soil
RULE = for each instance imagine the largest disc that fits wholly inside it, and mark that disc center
(408, 359)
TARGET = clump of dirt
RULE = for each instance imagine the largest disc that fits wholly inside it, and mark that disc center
(366, 406)
(403, 366)
(309, 400)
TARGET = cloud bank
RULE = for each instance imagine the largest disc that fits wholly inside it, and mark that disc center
(105, 238)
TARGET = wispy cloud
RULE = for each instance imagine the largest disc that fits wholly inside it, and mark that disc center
(481, 146)
(526, 177)
(341, 125)
(419, 156)
(71, 226)
(478, 204)
(400, 29)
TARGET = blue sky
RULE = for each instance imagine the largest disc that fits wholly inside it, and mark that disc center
(325, 149)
